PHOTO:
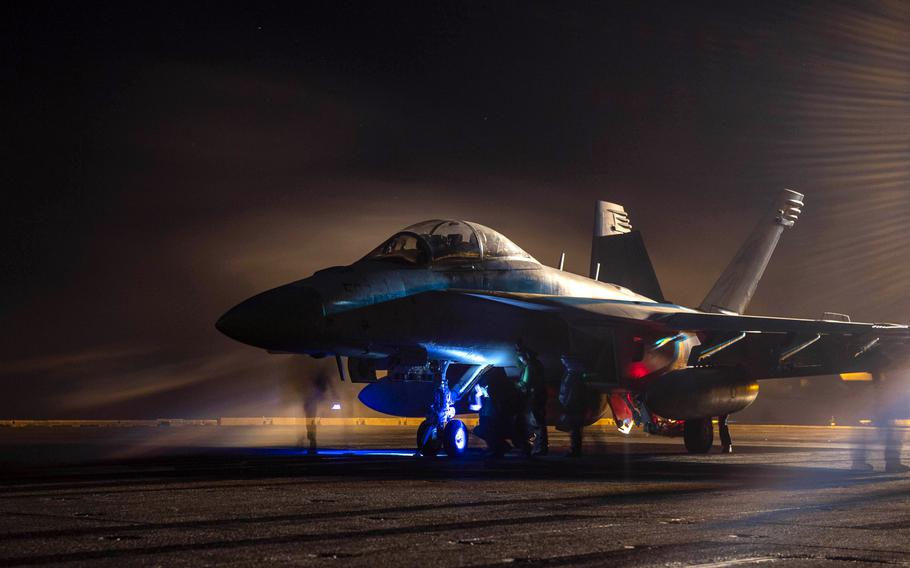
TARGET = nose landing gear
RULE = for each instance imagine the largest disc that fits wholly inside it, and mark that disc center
(455, 438)
(441, 430)
(428, 441)
(452, 438)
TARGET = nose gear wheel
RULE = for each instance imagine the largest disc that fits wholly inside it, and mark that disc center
(455, 438)
(428, 439)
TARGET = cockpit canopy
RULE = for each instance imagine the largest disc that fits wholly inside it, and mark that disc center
(445, 241)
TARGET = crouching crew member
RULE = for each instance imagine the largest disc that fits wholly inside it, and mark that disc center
(502, 415)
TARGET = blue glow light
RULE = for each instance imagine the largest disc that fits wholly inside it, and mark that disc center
(664, 340)
(457, 354)
(479, 393)
(461, 438)
(335, 452)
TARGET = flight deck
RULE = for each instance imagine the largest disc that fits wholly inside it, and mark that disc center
(204, 494)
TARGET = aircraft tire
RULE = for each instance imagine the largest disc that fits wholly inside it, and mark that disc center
(455, 438)
(427, 446)
(698, 435)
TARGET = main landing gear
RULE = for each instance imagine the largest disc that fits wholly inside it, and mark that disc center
(441, 430)
(699, 435)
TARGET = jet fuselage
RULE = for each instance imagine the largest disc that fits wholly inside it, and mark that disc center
(304, 316)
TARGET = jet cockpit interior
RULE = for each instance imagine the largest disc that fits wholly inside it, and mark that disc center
(447, 241)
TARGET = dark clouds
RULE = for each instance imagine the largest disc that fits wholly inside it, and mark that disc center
(166, 161)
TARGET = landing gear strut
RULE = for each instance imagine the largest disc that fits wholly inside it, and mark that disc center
(698, 435)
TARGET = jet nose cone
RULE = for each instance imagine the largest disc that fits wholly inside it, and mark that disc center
(288, 318)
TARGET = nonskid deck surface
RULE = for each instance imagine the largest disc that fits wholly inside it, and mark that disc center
(246, 495)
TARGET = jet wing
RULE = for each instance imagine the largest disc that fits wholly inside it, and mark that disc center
(764, 347)
(769, 347)
(734, 322)
(487, 324)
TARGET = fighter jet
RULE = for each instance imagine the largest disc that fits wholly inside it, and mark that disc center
(428, 312)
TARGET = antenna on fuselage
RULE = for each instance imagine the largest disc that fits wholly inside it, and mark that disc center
(562, 260)
(597, 272)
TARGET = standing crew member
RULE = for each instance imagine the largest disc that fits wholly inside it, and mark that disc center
(534, 386)
(890, 405)
(310, 382)
(726, 444)
(570, 397)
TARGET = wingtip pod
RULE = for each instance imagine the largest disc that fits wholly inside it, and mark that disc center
(734, 289)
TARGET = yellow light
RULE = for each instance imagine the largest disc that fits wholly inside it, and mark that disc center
(855, 377)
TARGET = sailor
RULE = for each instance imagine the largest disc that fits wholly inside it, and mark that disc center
(726, 444)
(502, 416)
(890, 405)
(485, 429)
(311, 384)
(570, 397)
(533, 386)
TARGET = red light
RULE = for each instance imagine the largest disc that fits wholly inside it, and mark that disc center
(637, 370)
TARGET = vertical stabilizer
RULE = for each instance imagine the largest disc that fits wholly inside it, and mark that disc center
(735, 287)
(610, 219)
(620, 252)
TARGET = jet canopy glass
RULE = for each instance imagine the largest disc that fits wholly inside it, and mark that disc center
(447, 241)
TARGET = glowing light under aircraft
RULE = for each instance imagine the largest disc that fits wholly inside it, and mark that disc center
(479, 393)
(465, 355)
(664, 340)
(855, 377)
(337, 452)
(638, 370)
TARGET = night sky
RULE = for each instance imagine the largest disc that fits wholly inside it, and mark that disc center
(164, 161)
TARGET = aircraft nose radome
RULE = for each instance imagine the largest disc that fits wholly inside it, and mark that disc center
(282, 319)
